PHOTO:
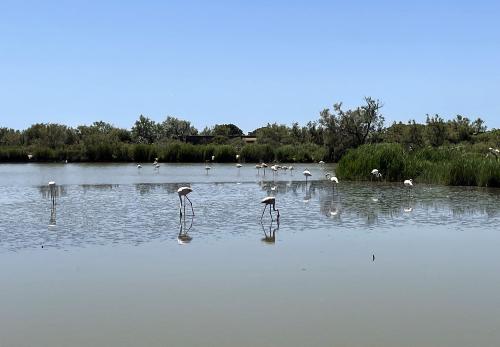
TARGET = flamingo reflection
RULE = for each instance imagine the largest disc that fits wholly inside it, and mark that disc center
(270, 238)
(183, 237)
(52, 220)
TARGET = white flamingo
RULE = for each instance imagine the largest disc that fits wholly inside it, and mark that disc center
(270, 201)
(139, 166)
(264, 165)
(258, 167)
(495, 152)
(332, 179)
(408, 184)
(275, 170)
(183, 192)
(307, 173)
(376, 173)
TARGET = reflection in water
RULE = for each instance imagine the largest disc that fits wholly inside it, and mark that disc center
(330, 204)
(131, 213)
(52, 191)
(270, 238)
(183, 237)
(146, 188)
(52, 220)
(99, 187)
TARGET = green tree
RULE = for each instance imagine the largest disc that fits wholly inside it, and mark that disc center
(436, 130)
(351, 128)
(145, 130)
(178, 129)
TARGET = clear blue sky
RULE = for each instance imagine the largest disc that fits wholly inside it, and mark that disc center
(249, 63)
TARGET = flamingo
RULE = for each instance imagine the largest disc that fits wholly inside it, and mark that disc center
(307, 173)
(139, 166)
(376, 173)
(264, 165)
(271, 201)
(321, 162)
(291, 168)
(275, 170)
(258, 167)
(408, 184)
(213, 157)
(183, 192)
(495, 152)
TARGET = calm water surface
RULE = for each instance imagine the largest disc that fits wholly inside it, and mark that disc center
(359, 264)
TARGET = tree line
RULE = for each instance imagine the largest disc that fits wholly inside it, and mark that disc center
(329, 137)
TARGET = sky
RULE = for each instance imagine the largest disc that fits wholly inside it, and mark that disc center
(246, 62)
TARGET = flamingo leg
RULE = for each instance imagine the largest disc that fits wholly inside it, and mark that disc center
(264, 210)
(180, 205)
(192, 210)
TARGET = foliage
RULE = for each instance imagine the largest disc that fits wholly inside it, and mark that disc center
(443, 165)
(351, 128)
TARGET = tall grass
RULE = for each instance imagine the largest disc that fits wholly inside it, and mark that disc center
(445, 165)
(174, 151)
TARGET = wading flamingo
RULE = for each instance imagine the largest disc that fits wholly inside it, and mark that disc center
(183, 192)
(271, 201)
(307, 173)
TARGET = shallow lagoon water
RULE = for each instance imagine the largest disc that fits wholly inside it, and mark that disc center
(361, 264)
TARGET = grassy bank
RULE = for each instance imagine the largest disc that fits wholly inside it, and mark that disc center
(174, 152)
(457, 165)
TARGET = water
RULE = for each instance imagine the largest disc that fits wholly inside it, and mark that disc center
(359, 264)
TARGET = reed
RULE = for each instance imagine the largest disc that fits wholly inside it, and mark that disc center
(445, 165)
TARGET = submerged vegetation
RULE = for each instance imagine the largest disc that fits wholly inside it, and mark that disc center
(454, 152)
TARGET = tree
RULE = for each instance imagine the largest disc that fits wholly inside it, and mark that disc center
(274, 134)
(10, 137)
(227, 130)
(49, 134)
(351, 128)
(478, 126)
(414, 135)
(178, 129)
(436, 130)
(145, 130)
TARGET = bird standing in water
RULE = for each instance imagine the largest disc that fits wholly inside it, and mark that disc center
(183, 192)
(307, 173)
(270, 201)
